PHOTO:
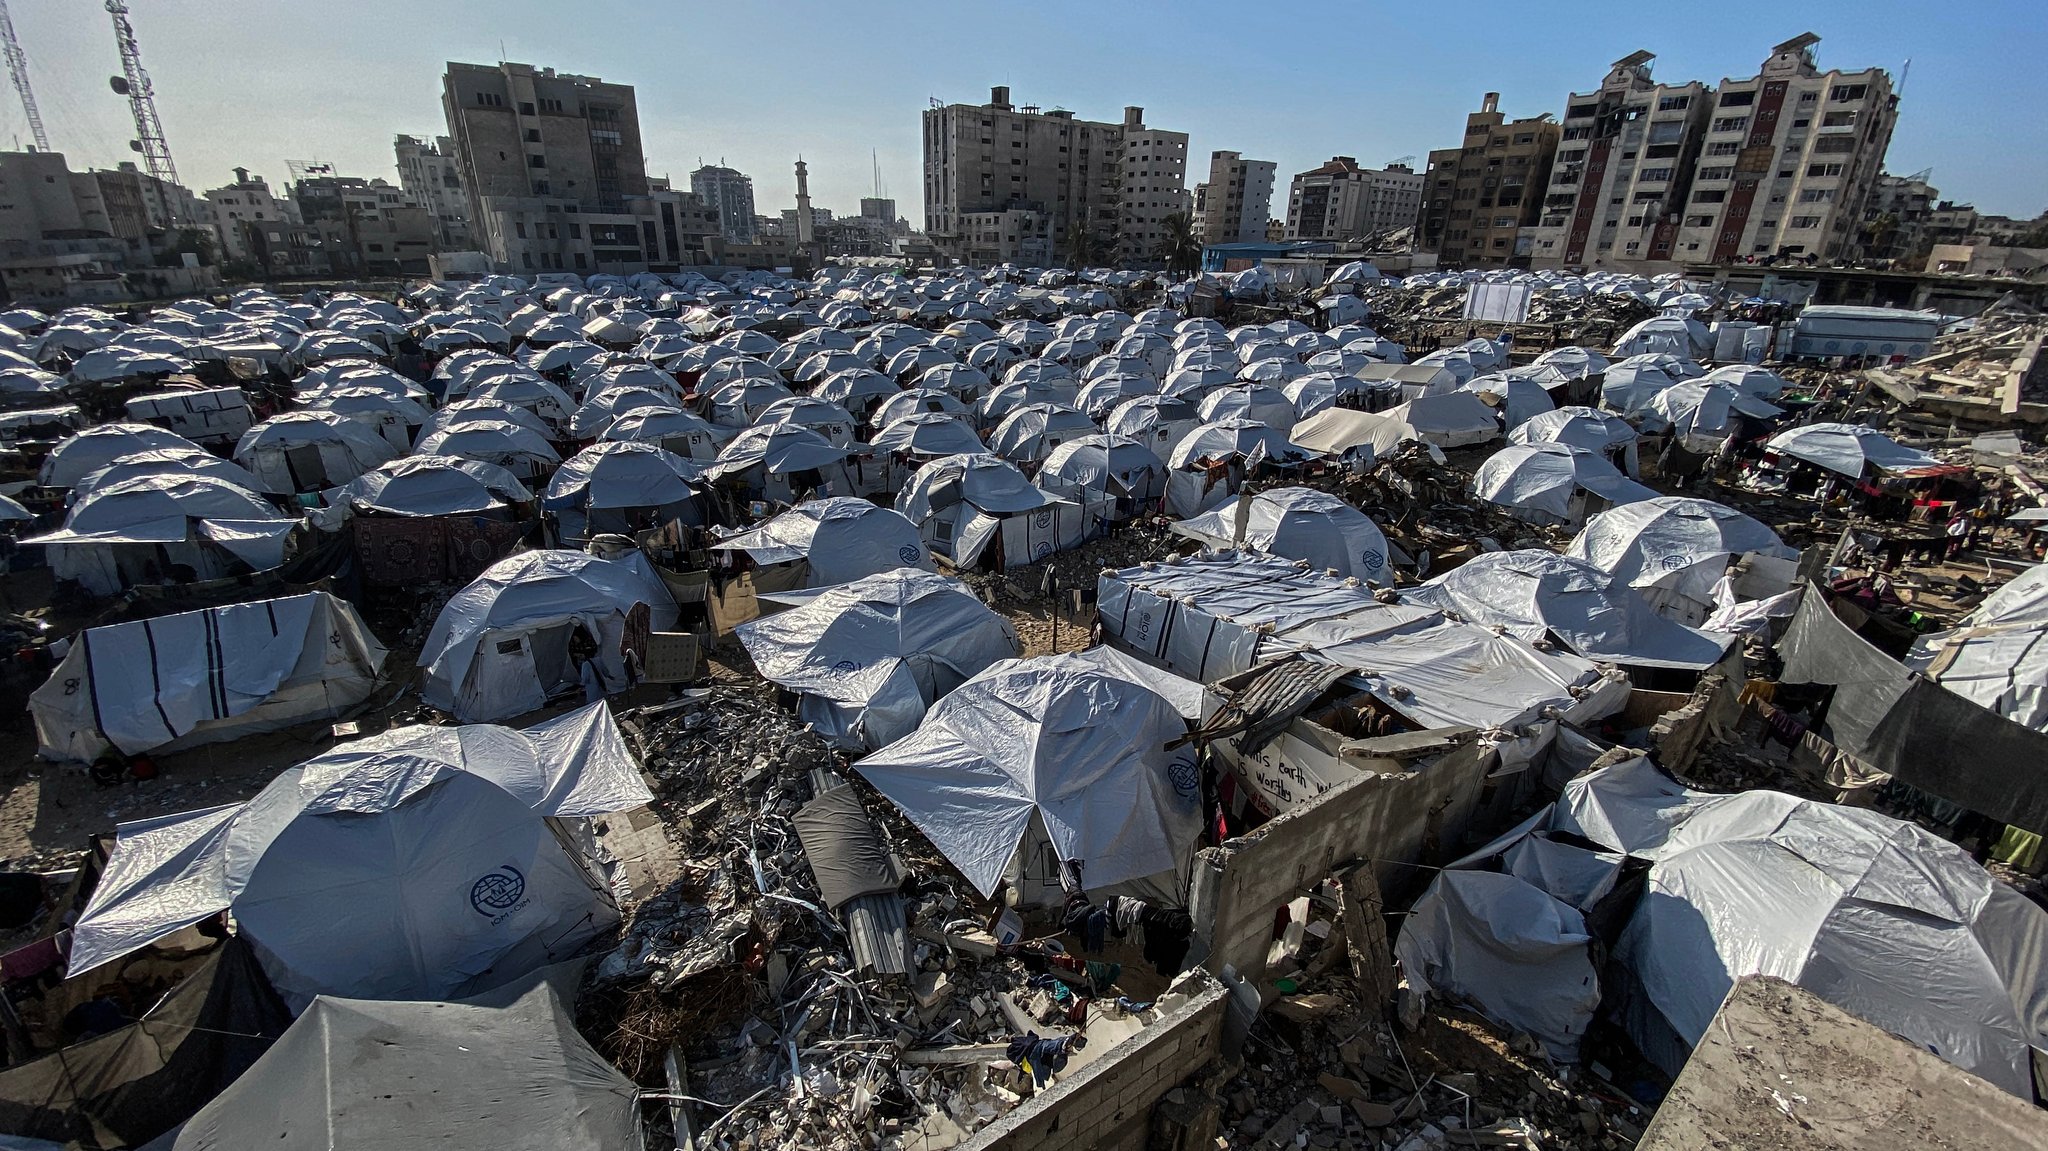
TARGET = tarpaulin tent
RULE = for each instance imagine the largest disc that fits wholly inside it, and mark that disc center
(961, 504)
(1997, 656)
(429, 485)
(1056, 750)
(928, 434)
(422, 863)
(207, 676)
(1518, 397)
(870, 656)
(1158, 422)
(1851, 450)
(80, 455)
(1030, 433)
(122, 534)
(489, 1074)
(311, 451)
(1209, 464)
(839, 539)
(1674, 549)
(1105, 468)
(170, 463)
(1298, 524)
(510, 445)
(1596, 431)
(126, 1087)
(1553, 483)
(1539, 595)
(1522, 956)
(768, 458)
(1875, 915)
(503, 645)
(1701, 415)
(620, 486)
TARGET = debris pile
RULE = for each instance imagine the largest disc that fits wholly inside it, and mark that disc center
(778, 1013)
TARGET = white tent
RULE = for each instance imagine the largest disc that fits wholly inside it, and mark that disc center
(840, 539)
(1259, 403)
(1875, 915)
(512, 446)
(770, 458)
(311, 451)
(502, 646)
(1674, 550)
(1998, 655)
(1672, 335)
(1588, 428)
(1519, 398)
(207, 676)
(1030, 433)
(1553, 483)
(169, 463)
(370, 1075)
(870, 656)
(1158, 422)
(120, 534)
(1114, 469)
(1209, 464)
(619, 486)
(81, 455)
(1850, 449)
(422, 863)
(927, 434)
(1453, 420)
(1702, 414)
(1538, 595)
(1298, 524)
(432, 486)
(1051, 749)
(962, 504)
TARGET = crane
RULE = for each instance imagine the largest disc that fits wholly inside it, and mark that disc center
(134, 84)
(17, 67)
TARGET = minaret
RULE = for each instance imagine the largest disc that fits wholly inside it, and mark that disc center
(805, 233)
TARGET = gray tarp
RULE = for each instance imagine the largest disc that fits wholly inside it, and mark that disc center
(132, 1084)
(847, 853)
(378, 1076)
(1913, 729)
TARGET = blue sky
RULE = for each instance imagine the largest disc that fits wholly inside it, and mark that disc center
(260, 82)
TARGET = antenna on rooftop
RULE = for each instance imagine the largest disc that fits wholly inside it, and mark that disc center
(134, 84)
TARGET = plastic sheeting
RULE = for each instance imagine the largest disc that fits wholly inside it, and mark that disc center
(1675, 545)
(1298, 524)
(1551, 480)
(431, 486)
(480, 656)
(1850, 449)
(417, 864)
(205, 676)
(869, 657)
(363, 1075)
(1535, 594)
(1997, 657)
(1914, 729)
(1068, 747)
(1522, 956)
(842, 538)
(87, 452)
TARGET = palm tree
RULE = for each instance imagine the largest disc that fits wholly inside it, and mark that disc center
(1181, 251)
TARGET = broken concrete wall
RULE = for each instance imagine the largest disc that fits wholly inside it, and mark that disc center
(1107, 1105)
(1676, 736)
(1390, 820)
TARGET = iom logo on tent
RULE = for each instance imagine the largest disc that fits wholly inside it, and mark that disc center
(1373, 560)
(498, 893)
(1185, 777)
(1676, 562)
(910, 555)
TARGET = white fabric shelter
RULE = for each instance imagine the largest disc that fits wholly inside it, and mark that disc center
(311, 451)
(1054, 748)
(422, 863)
(1538, 595)
(870, 656)
(501, 646)
(1850, 449)
(843, 538)
(1674, 550)
(1998, 655)
(1553, 482)
(1298, 524)
(207, 676)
